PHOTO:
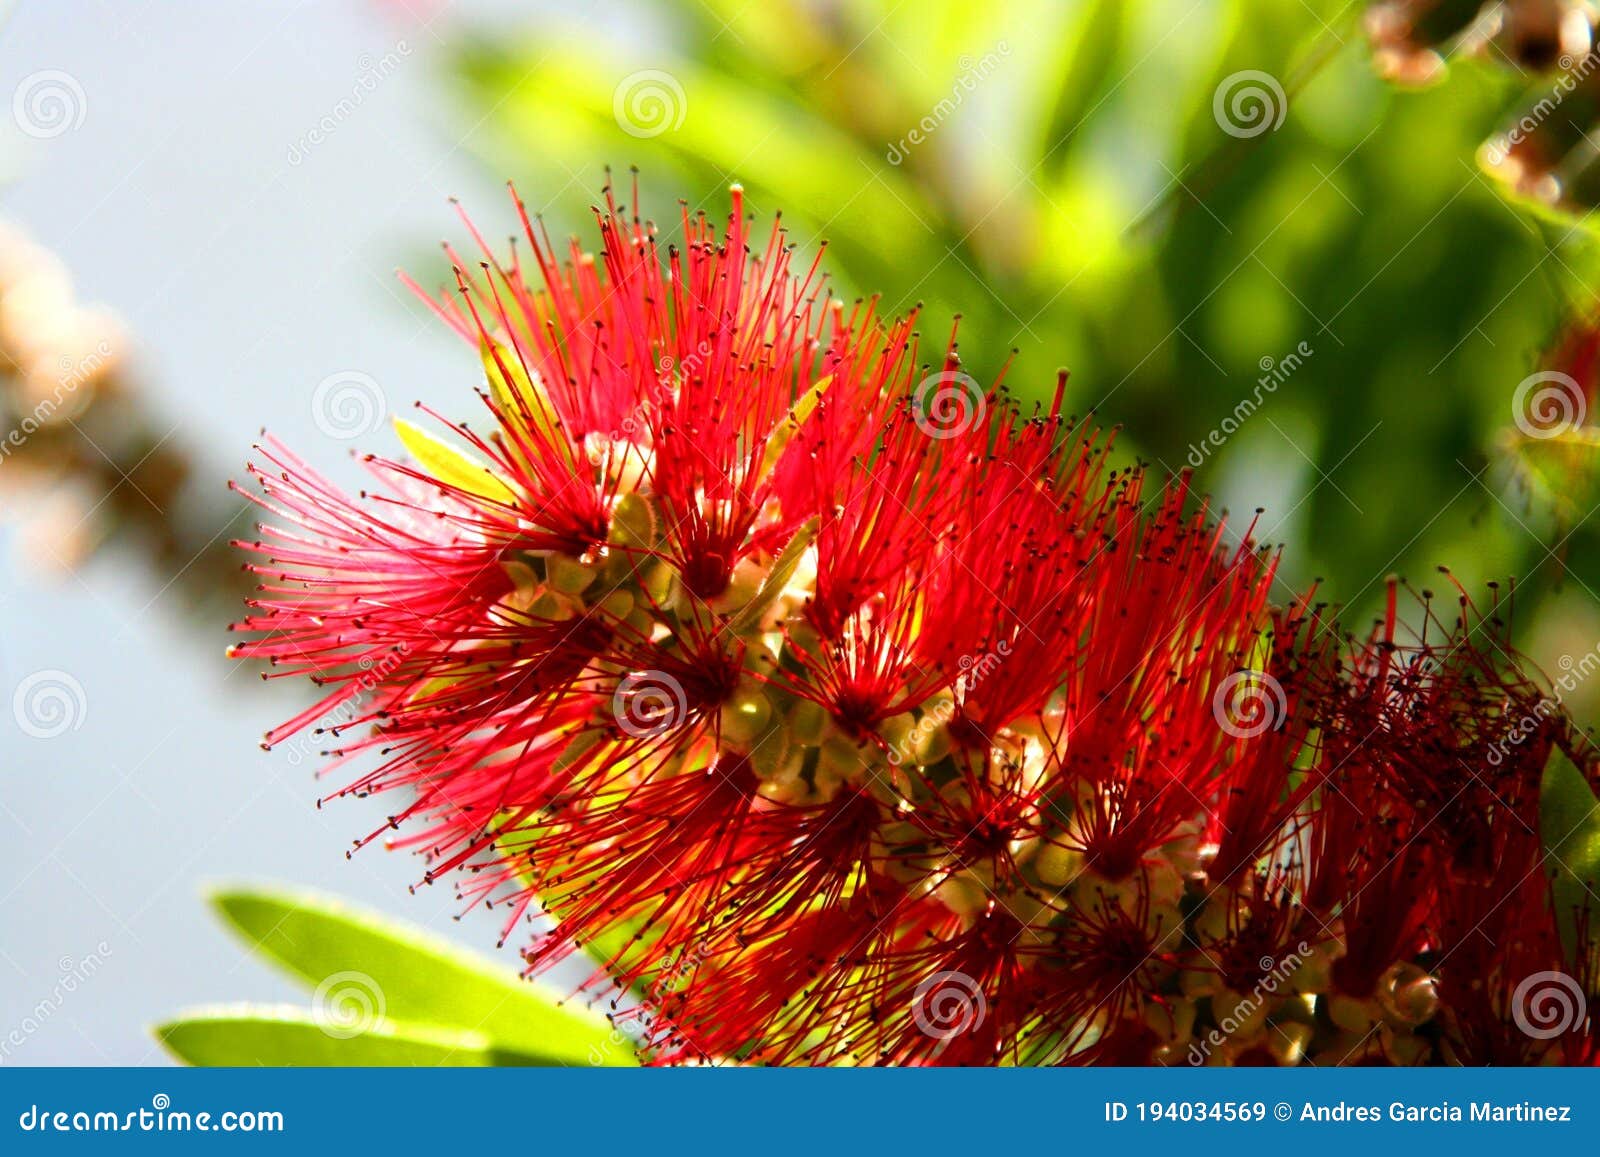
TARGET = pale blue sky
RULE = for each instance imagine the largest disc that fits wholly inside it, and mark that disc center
(249, 271)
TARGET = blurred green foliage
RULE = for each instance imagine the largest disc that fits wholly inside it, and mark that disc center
(1072, 192)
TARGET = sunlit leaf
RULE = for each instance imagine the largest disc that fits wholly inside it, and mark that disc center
(412, 975)
(783, 569)
(247, 1035)
(449, 465)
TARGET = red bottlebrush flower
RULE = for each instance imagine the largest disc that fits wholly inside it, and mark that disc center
(1114, 956)
(349, 589)
(850, 712)
(1494, 933)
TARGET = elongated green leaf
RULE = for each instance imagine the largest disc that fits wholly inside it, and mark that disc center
(1570, 824)
(708, 122)
(349, 955)
(1096, 42)
(787, 562)
(279, 1035)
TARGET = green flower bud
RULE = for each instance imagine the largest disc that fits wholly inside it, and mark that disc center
(1352, 1015)
(617, 605)
(1289, 1042)
(1055, 864)
(633, 522)
(742, 587)
(776, 760)
(931, 744)
(568, 575)
(897, 733)
(1409, 995)
(552, 606)
(808, 722)
(747, 716)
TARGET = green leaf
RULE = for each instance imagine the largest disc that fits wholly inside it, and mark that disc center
(279, 1035)
(710, 123)
(1083, 74)
(418, 977)
(449, 465)
(783, 569)
(1569, 819)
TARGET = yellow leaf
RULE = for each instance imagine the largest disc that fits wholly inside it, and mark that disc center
(516, 394)
(778, 441)
(451, 466)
